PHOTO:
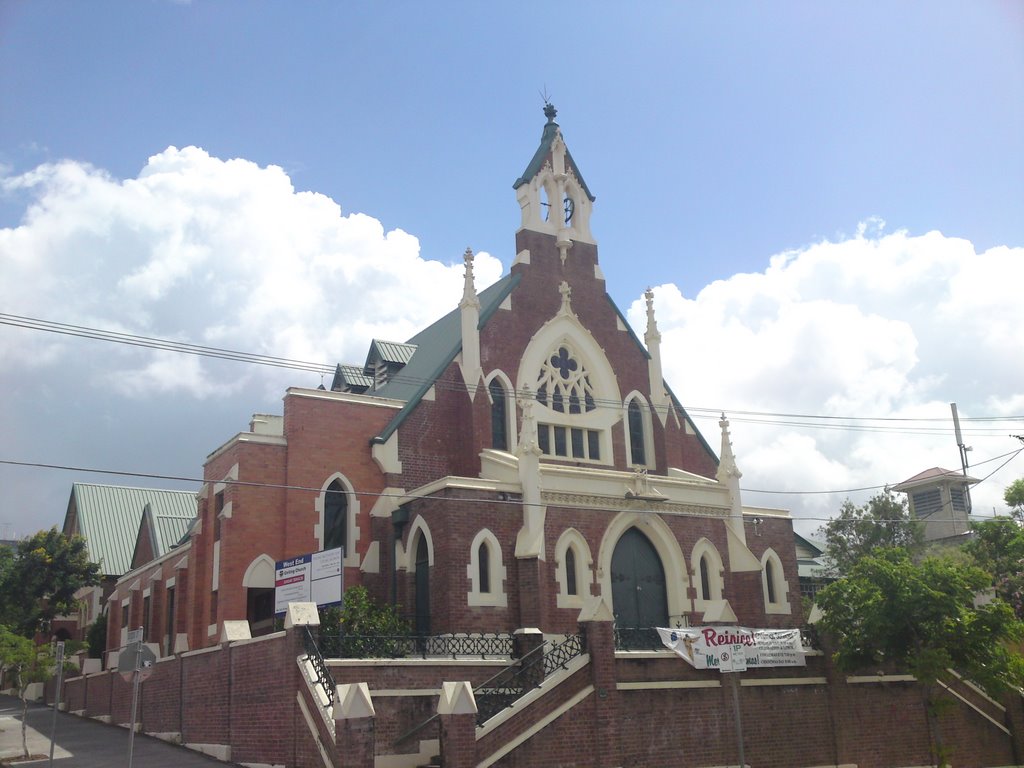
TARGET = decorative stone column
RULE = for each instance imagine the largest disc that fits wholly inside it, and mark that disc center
(457, 708)
(354, 725)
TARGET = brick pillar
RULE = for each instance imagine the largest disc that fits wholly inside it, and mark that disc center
(528, 643)
(354, 723)
(531, 593)
(457, 709)
(1014, 703)
(597, 622)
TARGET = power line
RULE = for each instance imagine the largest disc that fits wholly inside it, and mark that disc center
(376, 495)
(877, 424)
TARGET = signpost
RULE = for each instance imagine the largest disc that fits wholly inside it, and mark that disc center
(135, 663)
(314, 578)
(59, 658)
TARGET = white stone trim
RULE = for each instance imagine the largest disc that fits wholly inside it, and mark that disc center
(351, 559)
(677, 578)
(511, 420)
(261, 573)
(497, 572)
(781, 605)
(716, 574)
(386, 455)
(573, 539)
(650, 460)
(408, 563)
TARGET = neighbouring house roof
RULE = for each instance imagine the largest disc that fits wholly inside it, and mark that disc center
(108, 518)
(167, 528)
(935, 474)
(435, 348)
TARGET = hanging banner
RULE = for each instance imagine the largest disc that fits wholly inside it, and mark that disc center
(314, 578)
(734, 649)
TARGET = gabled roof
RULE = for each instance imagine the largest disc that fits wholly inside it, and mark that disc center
(934, 475)
(435, 348)
(546, 139)
(168, 528)
(109, 516)
(388, 352)
(350, 376)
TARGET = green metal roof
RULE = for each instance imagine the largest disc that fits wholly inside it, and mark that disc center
(169, 528)
(436, 346)
(352, 376)
(546, 139)
(389, 352)
(108, 517)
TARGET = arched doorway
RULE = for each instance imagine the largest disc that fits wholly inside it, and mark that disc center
(639, 598)
(422, 586)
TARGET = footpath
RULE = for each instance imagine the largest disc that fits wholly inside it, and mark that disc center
(85, 743)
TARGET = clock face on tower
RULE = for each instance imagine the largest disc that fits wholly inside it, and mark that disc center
(570, 209)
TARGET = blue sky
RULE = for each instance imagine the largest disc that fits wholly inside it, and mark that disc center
(715, 137)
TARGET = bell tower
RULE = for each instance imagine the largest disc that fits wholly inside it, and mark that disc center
(553, 197)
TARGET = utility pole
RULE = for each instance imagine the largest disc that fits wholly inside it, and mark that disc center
(963, 453)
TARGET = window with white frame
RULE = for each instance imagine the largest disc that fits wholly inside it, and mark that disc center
(573, 569)
(638, 429)
(706, 566)
(774, 586)
(564, 388)
(503, 411)
(486, 572)
(337, 509)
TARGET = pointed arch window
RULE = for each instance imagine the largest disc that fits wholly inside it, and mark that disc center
(705, 579)
(636, 433)
(335, 516)
(487, 574)
(484, 567)
(499, 415)
(564, 386)
(774, 586)
(570, 572)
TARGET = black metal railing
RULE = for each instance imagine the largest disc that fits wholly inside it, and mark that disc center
(471, 645)
(324, 678)
(514, 682)
(637, 639)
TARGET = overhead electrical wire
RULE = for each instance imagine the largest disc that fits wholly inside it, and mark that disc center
(876, 424)
(766, 418)
(405, 496)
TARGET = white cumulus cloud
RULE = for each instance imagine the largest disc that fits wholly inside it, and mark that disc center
(881, 325)
(216, 252)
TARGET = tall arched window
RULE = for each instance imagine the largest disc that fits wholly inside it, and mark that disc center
(769, 578)
(570, 571)
(484, 565)
(636, 433)
(335, 516)
(705, 578)
(499, 415)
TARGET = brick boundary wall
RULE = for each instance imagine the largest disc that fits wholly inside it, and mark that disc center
(645, 709)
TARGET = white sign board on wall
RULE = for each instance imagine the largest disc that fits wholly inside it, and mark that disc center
(734, 649)
(313, 578)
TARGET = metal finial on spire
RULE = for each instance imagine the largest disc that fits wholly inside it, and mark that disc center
(549, 111)
(652, 324)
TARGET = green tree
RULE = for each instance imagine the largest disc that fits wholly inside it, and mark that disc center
(884, 522)
(363, 628)
(1014, 498)
(26, 663)
(922, 617)
(41, 580)
(997, 546)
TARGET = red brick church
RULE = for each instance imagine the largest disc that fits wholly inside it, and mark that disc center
(518, 467)
(510, 461)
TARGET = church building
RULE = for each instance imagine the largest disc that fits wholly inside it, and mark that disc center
(518, 457)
